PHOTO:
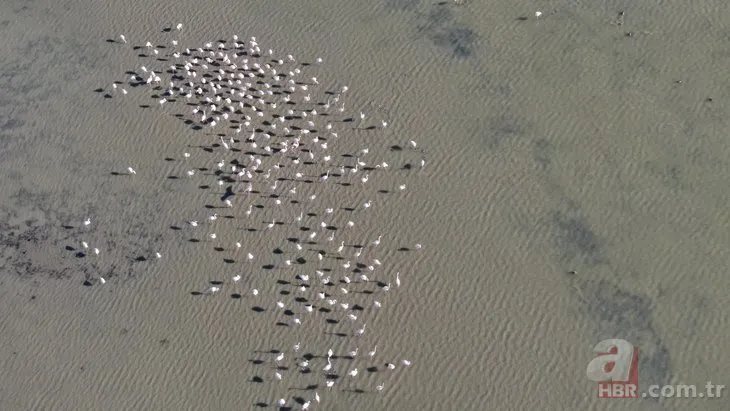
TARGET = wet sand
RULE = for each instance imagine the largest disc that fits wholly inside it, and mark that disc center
(553, 144)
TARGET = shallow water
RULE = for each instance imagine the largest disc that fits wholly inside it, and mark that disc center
(552, 144)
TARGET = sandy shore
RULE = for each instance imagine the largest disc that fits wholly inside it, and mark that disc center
(551, 145)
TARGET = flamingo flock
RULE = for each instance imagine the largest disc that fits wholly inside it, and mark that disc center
(273, 139)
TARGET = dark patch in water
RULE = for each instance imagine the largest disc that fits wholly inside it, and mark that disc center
(460, 40)
(442, 29)
(619, 313)
(577, 242)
